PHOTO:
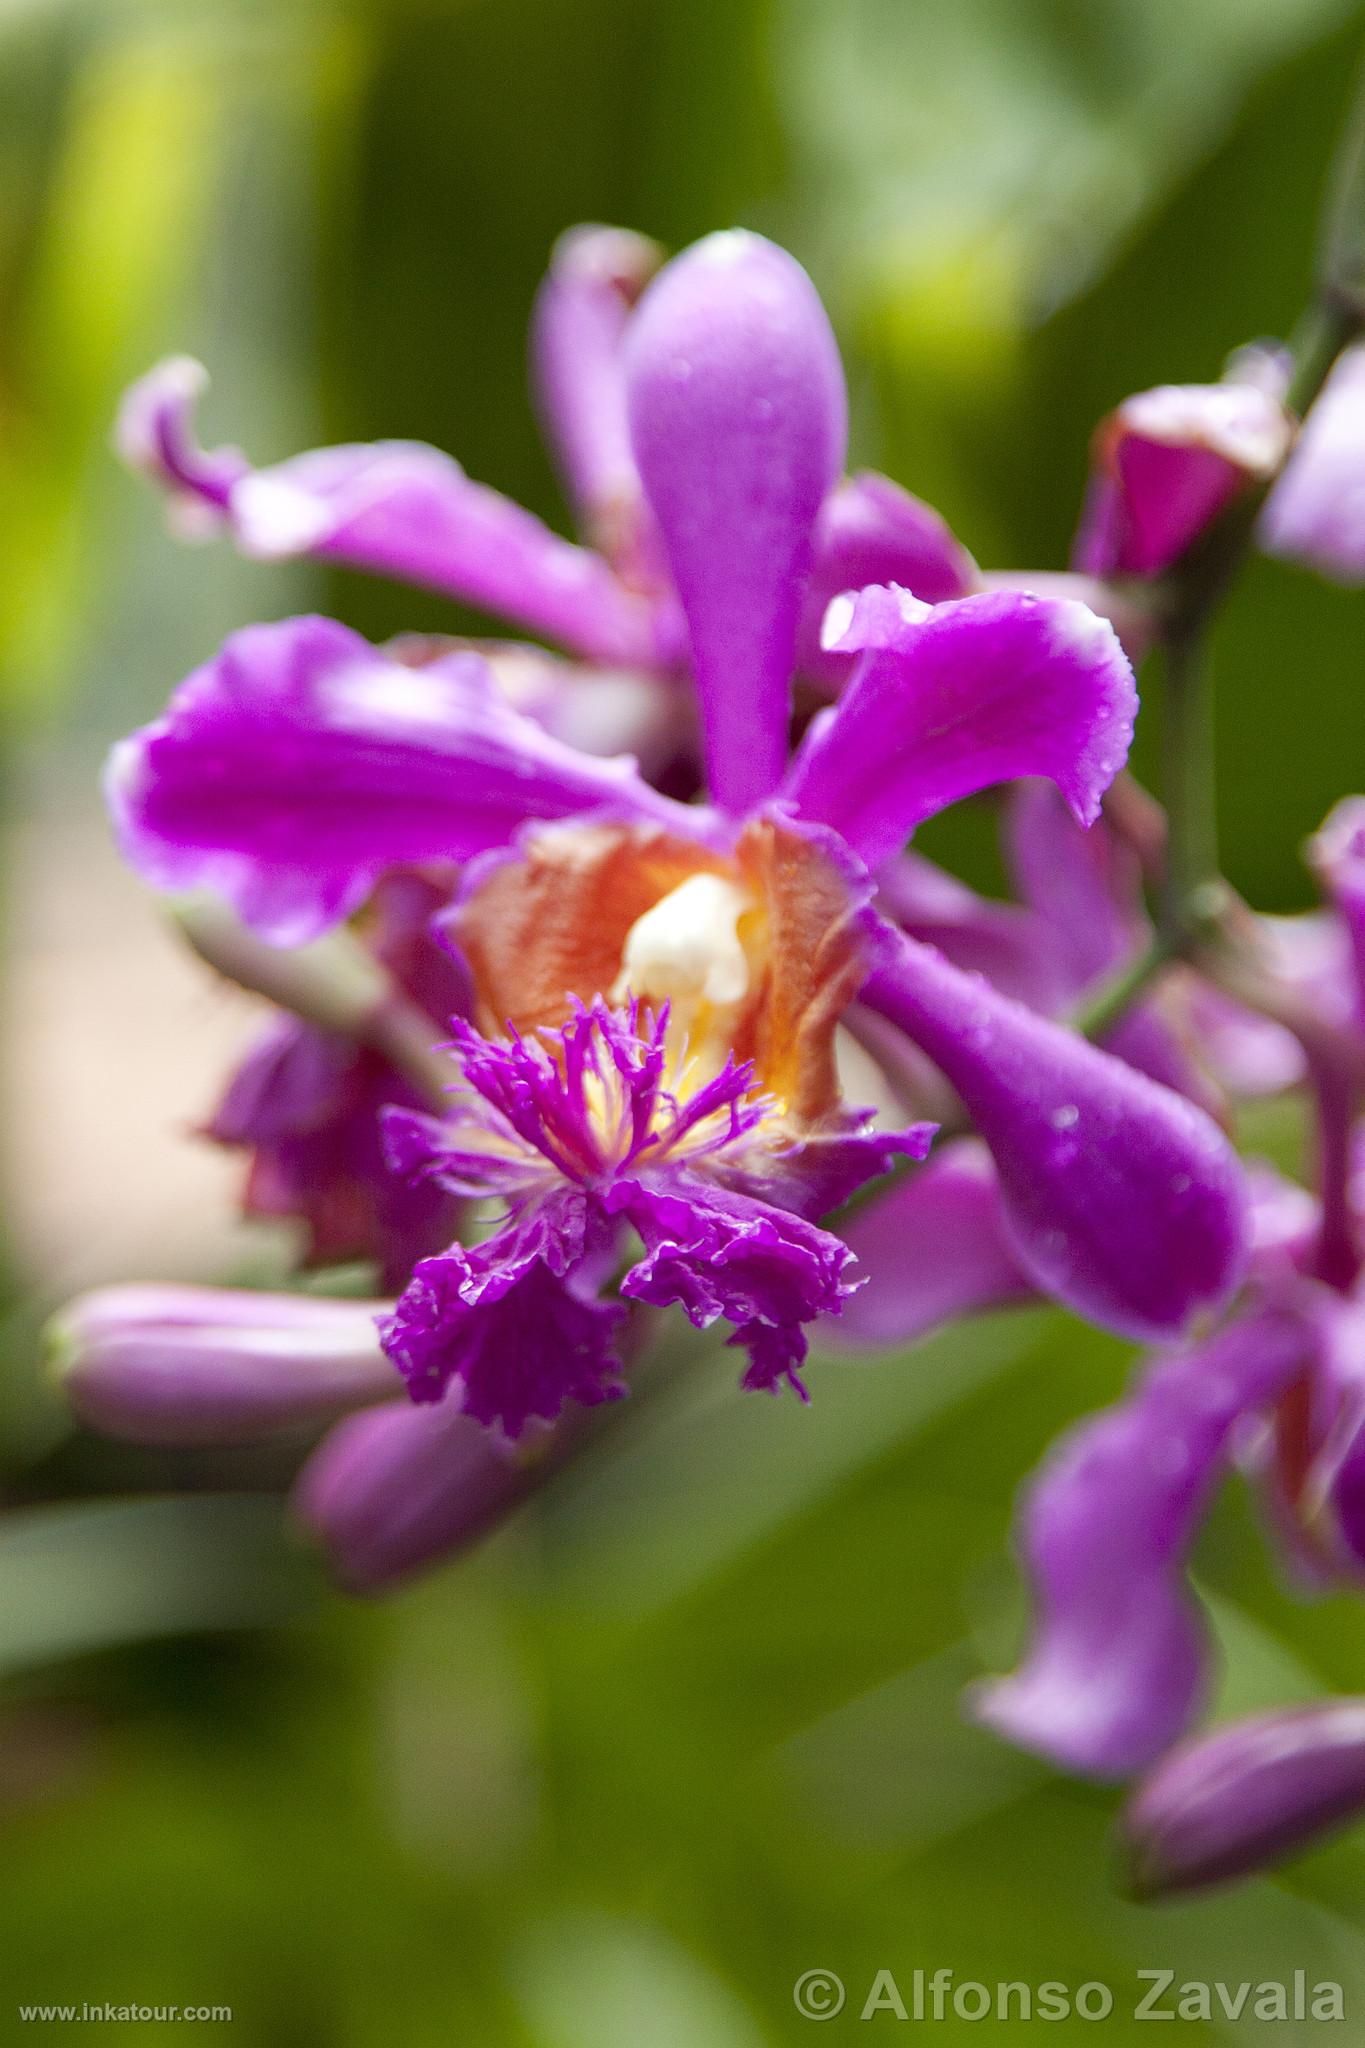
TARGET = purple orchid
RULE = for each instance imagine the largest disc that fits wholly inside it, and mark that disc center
(1119, 1662)
(655, 987)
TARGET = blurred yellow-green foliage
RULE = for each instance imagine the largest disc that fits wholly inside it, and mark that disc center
(690, 1726)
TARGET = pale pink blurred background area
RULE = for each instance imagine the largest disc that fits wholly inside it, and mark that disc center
(114, 1045)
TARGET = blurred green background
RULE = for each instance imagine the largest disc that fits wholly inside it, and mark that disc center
(689, 1727)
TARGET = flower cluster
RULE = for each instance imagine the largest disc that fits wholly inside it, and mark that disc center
(567, 948)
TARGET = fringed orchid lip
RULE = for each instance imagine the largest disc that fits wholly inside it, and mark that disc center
(696, 1101)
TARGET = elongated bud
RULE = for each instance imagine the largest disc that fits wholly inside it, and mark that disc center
(1245, 1797)
(215, 1365)
(390, 1494)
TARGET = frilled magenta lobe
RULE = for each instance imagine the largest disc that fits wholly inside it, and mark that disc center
(1167, 463)
(305, 1104)
(654, 1053)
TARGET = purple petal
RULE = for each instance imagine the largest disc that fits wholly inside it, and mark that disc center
(738, 417)
(292, 770)
(821, 1171)
(396, 507)
(932, 1247)
(871, 531)
(1118, 1662)
(391, 1493)
(505, 1323)
(211, 1365)
(1246, 1796)
(1132, 619)
(1083, 884)
(1123, 1199)
(578, 333)
(1316, 512)
(1167, 463)
(719, 1253)
(154, 433)
(947, 701)
(1016, 951)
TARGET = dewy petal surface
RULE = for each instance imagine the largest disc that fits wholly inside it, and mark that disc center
(1117, 1664)
(872, 531)
(1122, 1199)
(950, 699)
(289, 772)
(738, 420)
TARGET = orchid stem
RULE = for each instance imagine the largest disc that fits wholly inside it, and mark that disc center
(1193, 895)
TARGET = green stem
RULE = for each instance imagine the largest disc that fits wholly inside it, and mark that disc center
(1188, 781)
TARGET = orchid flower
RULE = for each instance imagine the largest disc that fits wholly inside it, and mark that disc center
(655, 987)
(1118, 1666)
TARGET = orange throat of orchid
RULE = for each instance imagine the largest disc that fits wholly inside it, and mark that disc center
(757, 954)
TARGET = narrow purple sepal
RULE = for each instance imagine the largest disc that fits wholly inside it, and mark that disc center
(1118, 1661)
(154, 433)
(951, 699)
(738, 419)
(398, 508)
(1316, 512)
(214, 1365)
(932, 1248)
(288, 773)
(578, 332)
(1122, 1198)
(1244, 1797)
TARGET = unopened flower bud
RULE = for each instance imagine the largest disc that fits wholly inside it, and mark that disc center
(1245, 1797)
(212, 1365)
